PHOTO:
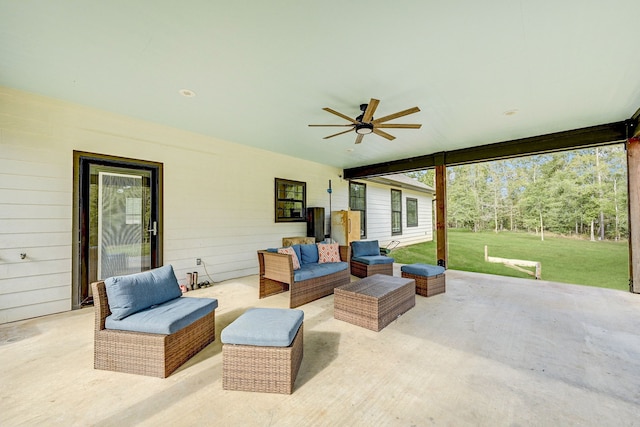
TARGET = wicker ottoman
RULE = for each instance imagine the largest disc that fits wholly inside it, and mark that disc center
(262, 350)
(429, 279)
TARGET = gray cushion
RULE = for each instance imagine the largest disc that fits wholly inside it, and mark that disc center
(135, 292)
(166, 318)
(365, 248)
(265, 327)
(311, 271)
(374, 259)
(309, 254)
(426, 270)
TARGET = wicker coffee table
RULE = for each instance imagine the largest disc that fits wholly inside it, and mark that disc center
(374, 301)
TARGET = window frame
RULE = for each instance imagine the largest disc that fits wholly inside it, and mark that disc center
(363, 212)
(396, 213)
(412, 200)
(298, 197)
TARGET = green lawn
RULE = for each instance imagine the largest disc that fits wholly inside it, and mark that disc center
(604, 264)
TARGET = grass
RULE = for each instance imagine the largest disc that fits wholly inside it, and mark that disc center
(603, 264)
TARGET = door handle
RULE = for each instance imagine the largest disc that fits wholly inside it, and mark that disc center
(154, 230)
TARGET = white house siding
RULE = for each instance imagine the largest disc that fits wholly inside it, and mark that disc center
(218, 196)
(379, 215)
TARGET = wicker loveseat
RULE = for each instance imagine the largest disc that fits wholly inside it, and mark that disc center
(312, 280)
(144, 326)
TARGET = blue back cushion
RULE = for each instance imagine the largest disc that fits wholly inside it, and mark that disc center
(365, 248)
(298, 254)
(135, 292)
(309, 253)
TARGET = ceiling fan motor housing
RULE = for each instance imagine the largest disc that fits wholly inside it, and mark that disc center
(364, 128)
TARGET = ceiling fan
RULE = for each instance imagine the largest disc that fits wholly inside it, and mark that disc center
(365, 123)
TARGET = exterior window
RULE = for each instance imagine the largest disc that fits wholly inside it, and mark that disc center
(358, 202)
(396, 212)
(290, 200)
(412, 212)
(133, 210)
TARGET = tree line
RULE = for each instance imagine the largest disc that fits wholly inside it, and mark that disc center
(580, 193)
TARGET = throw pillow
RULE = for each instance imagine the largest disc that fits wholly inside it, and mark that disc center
(328, 252)
(289, 251)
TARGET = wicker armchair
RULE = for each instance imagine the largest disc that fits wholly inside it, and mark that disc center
(372, 265)
(140, 353)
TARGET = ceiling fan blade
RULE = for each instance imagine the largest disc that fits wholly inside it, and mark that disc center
(396, 115)
(398, 126)
(383, 134)
(348, 124)
(359, 138)
(336, 134)
(371, 108)
(347, 118)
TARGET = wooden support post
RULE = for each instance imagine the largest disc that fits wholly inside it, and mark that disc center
(633, 180)
(441, 214)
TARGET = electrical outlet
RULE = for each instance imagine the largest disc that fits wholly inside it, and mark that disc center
(198, 261)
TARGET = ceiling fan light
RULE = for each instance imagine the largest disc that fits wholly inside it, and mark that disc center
(364, 128)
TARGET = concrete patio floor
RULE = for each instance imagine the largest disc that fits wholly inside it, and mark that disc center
(491, 351)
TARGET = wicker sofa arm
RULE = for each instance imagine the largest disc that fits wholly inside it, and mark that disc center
(276, 266)
(100, 303)
(345, 253)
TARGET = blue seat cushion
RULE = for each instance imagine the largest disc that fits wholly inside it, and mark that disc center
(311, 271)
(166, 318)
(426, 270)
(136, 292)
(265, 327)
(309, 254)
(373, 259)
(365, 248)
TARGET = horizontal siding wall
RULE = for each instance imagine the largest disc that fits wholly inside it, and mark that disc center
(35, 219)
(379, 216)
(218, 197)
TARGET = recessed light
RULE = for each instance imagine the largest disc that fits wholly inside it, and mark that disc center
(349, 150)
(187, 93)
(510, 112)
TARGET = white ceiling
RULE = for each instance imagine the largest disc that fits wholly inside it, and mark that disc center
(263, 70)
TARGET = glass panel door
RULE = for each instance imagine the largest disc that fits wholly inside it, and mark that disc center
(118, 218)
(122, 224)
